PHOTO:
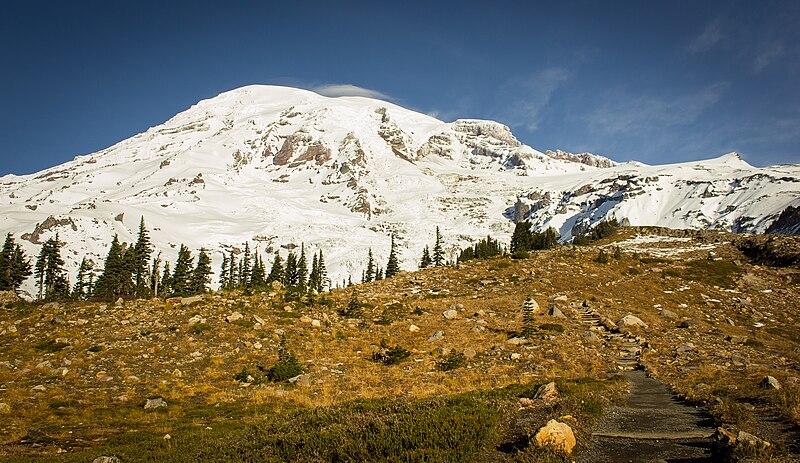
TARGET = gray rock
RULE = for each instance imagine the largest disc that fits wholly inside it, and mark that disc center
(748, 440)
(547, 392)
(469, 353)
(107, 459)
(517, 341)
(119, 302)
(450, 314)
(770, 382)
(191, 300)
(591, 336)
(632, 322)
(668, 313)
(233, 317)
(738, 360)
(554, 311)
(439, 334)
(688, 324)
(158, 402)
(478, 328)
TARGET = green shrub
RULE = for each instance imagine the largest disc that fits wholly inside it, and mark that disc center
(199, 328)
(49, 345)
(452, 361)
(602, 257)
(391, 356)
(287, 366)
(552, 327)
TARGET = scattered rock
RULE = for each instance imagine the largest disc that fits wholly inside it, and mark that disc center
(413, 328)
(515, 356)
(554, 311)
(191, 300)
(39, 388)
(556, 435)
(469, 353)
(745, 439)
(316, 323)
(516, 341)
(442, 351)
(792, 382)
(107, 459)
(439, 334)
(531, 306)
(668, 313)
(119, 302)
(562, 298)
(478, 328)
(770, 382)
(158, 402)
(688, 324)
(591, 336)
(547, 392)
(526, 402)
(233, 317)
(724, 438)
(5, 409)
(259, 320)
(196, 319)
(632, 322)
(450, 314)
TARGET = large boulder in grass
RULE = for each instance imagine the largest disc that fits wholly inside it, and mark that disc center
(769, 382)
(631, 321)
(547, 392)
(556, 435)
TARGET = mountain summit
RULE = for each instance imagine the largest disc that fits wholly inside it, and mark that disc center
(278, 166)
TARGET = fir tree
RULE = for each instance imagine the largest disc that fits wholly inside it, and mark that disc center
(313, 277)
(201, 274)
(50, 275)
(379, 274)
(232, 271)
(426, 258)
(438, 253)
(302, 269)
(290, 272)
(155, 276)
(182, 272)
(223, 272)
(322, 274)
(392, 266)
(141, 261)
(82, 289)
(14, 266)
(276, 272)
(115, 278)
(369, 272)
(166, 280)
(258, 277)
(245, 272)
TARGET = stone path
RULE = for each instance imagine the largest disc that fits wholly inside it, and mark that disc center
(628, 347)
(652, 426)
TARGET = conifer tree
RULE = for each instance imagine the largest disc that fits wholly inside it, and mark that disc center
(290, 272)
(369, 272)
(379, 274)
(155, 276)
(258, 278)
(141, 260)
(166, 280)
(231, 271)
(14, 266)
(302, 269)
(438, 253)
(201, 274)
(182, 272)
(247, 267)
(276, 272)
(115, 278)
(50, 275)
(426, 258)
(223, 272)
(392, 266)
(82, 289)
(322, 274)
(313, 277)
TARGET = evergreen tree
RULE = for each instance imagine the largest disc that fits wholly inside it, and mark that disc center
(322, 274)
(223, 272)
(258, 277)
(392, 266)
(201, 274)
(231, 271)
(155, 276)
(290, 273)
(166, 280)
(521, 238)
(247, 267)
(438, 253)
(313, 277)
(82, 289)
(50, 275)
(14, 266)
(115, 279)
(302, 269)
(426, 258)
(379, 274)
(182, 272)
(369, 272)
(141, 261)
(276, 272)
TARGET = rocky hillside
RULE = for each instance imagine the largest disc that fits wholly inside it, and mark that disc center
(279, 166)
(690, 308)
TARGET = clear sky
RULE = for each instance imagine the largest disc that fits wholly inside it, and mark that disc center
(653, 81)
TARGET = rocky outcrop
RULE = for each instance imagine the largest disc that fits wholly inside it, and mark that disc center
(583, 158)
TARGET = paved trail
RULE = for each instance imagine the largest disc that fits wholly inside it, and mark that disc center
(652, 426)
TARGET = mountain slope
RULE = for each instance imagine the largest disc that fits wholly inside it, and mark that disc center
(279, 166)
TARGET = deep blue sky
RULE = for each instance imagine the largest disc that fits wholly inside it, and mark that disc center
(655, 82)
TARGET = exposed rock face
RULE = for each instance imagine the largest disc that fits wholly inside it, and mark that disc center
(770, 382)
(489, 129)
(547, 392)
(556, 435)
(584, 158)
(788, 223)
(157, 402)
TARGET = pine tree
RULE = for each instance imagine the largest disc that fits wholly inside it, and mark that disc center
(82, 289)
(276, 272)
(438, 253)
(231, 271)
(379, 274)
(181, 273)
(313, 277)
(50, 275)
(14, 266)
(115, 278)
(392, 266)
(369, 272)
(322, 273)
(201, 274)
(155, 277)
(166, 280)
(258, 278)
(302, 270)
(141, 260)
(247, 267)
(290, 272)
(223, 272)
(521, 238)
(426, 258)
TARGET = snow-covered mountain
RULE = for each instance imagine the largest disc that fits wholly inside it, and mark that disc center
(278, 166)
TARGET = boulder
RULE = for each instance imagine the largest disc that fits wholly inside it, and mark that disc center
(469, 353)
(532, 307)
(547, 392)
(450, 314)
(631, 321)
(439, 334)
(591, 336)
(413, 328)
(747, 440)
(233, 317)
(107, 459)
(157, 402)
(554, 311)
(191, 300)
(724, 438)
(556, 435)
(770, 382)
(668, 313)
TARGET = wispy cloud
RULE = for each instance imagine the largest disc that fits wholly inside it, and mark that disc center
(337, 90)
(712, 34)
(525, 100)
(623, 113)
(766, 54)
